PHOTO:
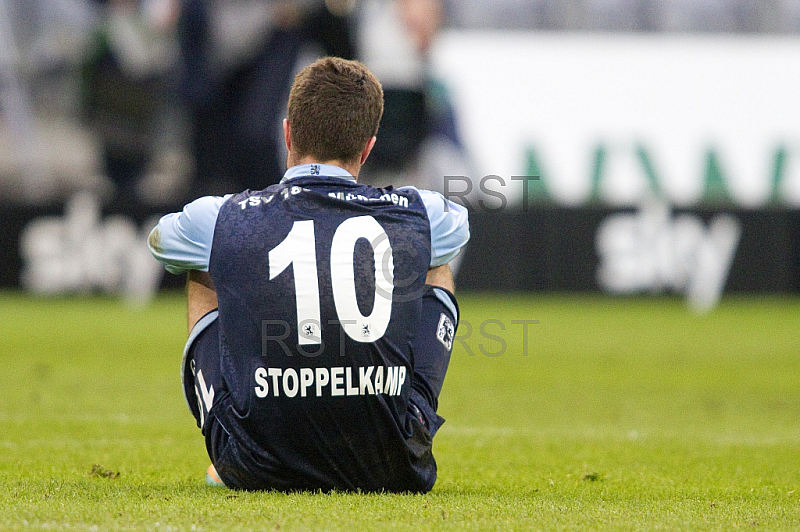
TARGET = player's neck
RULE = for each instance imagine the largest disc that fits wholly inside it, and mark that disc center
(351, 167)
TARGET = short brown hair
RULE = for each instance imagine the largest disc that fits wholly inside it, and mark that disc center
(335, 107)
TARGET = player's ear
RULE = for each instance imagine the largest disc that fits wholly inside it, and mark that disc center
(368, 149)
(287, 134)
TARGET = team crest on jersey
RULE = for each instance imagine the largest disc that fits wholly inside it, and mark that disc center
(446, 332)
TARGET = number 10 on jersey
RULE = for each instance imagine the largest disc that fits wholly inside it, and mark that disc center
(298, 249)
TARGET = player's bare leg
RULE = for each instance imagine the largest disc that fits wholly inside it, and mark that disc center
(442, 277)
(201, 297)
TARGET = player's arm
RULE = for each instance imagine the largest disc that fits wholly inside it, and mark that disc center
(449, 233)
(201, 296)
(449, 226)
(182, 240)
(441, 276)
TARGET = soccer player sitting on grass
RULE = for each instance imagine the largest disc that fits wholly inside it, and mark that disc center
(321, 311)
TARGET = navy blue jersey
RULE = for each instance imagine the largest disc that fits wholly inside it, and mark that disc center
(319, 283)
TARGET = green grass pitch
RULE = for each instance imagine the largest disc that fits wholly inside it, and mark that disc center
(623, 414)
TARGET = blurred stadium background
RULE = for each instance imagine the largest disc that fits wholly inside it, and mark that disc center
(628, 165)
(607, 146)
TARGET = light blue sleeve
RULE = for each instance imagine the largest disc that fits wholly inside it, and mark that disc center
(449, 226)
(182, 240)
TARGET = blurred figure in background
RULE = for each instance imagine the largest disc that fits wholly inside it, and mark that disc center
(127, 91)
(41, 146)
(238, 58)
(234, 61)
(420, 143)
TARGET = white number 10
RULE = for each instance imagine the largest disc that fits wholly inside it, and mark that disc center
(298, 249)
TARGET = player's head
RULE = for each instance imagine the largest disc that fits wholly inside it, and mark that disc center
(334, 110)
